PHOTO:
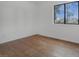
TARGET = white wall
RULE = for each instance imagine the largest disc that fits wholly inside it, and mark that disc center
(21, 19)
(16, 20)
(47, 27)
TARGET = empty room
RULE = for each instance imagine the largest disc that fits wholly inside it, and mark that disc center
(39, 28)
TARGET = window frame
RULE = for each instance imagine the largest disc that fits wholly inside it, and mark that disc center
(65, 12)
(55, 14)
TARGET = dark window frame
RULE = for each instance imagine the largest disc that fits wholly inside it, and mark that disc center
(65, 12)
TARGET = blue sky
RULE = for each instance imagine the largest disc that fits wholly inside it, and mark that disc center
(61, 15)
(73, 7)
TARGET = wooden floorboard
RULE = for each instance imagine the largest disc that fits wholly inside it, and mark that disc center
(39, 46)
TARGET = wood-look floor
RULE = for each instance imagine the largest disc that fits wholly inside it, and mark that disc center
(39, 46)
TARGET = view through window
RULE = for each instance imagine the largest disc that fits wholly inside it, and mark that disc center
(66, 13)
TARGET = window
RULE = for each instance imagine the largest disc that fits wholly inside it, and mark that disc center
(59, 14)
(72, 13)
(66, 13)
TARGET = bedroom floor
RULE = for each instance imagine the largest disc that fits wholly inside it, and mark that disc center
(39, 46)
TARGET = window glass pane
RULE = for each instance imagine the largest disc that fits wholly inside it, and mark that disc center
(72, 13)
(59, 14)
